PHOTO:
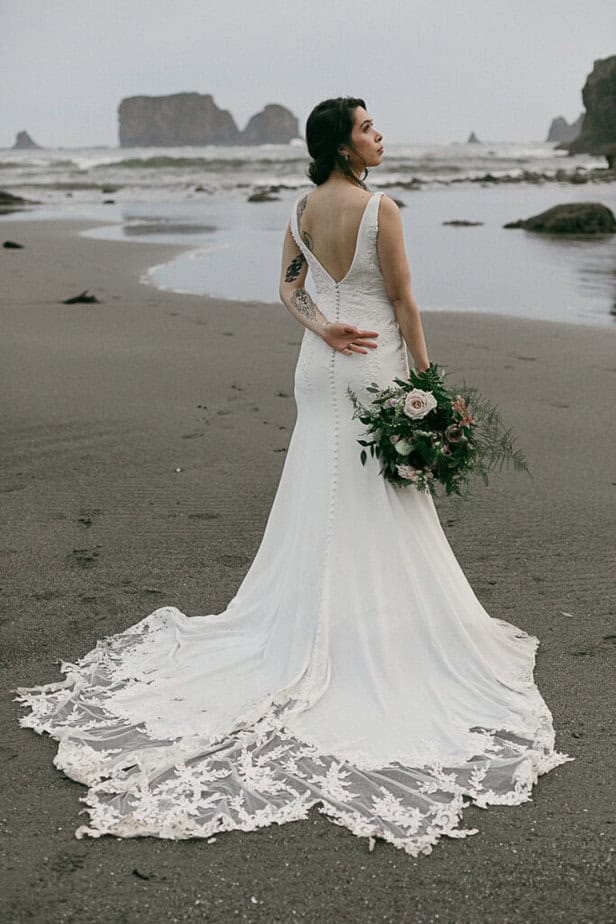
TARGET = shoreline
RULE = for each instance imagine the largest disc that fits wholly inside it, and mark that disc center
(142, 446)
(171, 251)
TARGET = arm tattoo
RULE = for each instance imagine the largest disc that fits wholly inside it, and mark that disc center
(294, 268)
(300, 211)
(304, 305)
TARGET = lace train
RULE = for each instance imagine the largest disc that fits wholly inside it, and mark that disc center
(260, 773)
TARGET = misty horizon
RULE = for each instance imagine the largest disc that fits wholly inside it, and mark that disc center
(430, 74)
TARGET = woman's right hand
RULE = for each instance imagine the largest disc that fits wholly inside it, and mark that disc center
(344, 338)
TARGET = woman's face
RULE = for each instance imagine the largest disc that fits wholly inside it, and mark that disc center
(366, 140)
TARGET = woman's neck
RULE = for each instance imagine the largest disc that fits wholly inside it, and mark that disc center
(339, 176)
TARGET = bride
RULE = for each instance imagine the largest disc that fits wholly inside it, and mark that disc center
(354, 669)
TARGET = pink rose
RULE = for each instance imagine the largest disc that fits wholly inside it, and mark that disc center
(407, 472)
(418, 403)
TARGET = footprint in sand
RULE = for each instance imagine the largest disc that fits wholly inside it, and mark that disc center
(86, 516)
(232, 561)
(45, 595)
(85, 558)
(65, 863)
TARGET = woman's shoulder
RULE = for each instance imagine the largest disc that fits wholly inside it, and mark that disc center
(389, 212)
(388, 206)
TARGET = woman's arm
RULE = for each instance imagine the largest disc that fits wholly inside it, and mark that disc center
(342, 337)
(292, 291)
(397, 276)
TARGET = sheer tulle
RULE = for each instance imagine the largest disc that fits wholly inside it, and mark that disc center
(354, 669)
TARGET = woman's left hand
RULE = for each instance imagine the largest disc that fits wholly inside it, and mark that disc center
(347, 339)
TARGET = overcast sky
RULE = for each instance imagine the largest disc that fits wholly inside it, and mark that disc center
(430, 70)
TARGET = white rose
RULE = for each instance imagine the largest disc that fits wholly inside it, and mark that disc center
(418, 403)
(403, 447)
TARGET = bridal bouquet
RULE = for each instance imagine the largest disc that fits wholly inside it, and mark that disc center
(426, 434)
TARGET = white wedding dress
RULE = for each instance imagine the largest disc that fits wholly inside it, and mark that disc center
(354, 669)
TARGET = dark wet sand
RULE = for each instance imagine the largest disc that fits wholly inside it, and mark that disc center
(100, 407)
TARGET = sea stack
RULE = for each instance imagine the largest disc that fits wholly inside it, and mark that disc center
(24, 142)
(560, 130)
(195, 119)
(275, 124)
(598, 135)
(179, 119)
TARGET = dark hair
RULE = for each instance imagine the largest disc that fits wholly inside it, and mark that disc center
(328, 127)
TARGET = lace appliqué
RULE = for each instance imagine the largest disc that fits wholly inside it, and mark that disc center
(259, 774)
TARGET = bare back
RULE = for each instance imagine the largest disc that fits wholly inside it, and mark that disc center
(329, 222)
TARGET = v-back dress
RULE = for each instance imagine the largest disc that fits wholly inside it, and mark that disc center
(354, 669)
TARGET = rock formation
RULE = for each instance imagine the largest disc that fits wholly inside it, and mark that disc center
(179, 119)
(23, 141)
(273, 125)
(571, 218)
(11, 203)
(560, 130)
(195, 119)
(598, 135)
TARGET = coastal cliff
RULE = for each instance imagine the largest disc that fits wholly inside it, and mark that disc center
(195, 119)
(598, 135)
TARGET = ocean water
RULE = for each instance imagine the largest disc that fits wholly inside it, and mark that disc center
(198, 198)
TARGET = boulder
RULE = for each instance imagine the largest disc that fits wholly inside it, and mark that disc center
(11, 203)
(598, 135)
(263, 195)
(571, 218)
(560, 130)
(275, 124)
(8, 199)
(24, 142)
(179, 119)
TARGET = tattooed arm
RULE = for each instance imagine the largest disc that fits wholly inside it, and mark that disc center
(292, 291)
(342, 337)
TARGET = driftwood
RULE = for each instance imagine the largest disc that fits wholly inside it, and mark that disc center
(84, 298)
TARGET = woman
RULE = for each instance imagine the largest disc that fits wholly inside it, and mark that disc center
(354, 669)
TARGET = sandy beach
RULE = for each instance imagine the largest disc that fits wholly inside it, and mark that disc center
(142, 441)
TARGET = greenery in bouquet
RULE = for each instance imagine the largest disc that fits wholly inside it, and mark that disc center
(426, 434)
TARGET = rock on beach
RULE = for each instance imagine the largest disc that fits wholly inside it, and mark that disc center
(570, 218)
